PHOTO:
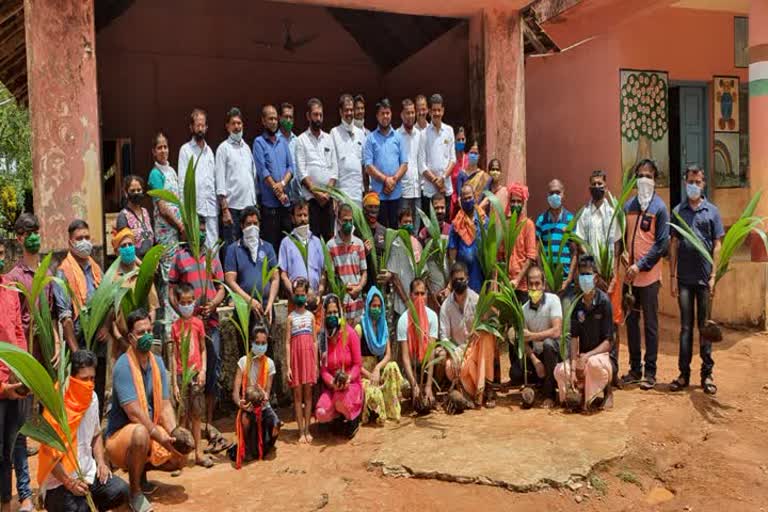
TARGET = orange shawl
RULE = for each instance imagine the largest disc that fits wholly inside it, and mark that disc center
(159, 454)
(418, 336)
(77, 400)
(75, 276)
(262, 382)
(465, 227)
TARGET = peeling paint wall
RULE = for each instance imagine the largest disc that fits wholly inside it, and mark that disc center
(63, 101)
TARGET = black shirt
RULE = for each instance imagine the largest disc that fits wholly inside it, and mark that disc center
(592, 324)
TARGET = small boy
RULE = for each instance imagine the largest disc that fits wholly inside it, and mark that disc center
(194, 397)
(254, 403)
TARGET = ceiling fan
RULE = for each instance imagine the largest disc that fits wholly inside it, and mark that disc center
(290, 43)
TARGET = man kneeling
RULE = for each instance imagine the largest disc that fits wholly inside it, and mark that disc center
(63, 491)
(141, 416)
(591, 337)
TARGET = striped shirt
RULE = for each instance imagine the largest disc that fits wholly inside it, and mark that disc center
(186, 270)
(350, 265)
(550, 232)
(302, 323)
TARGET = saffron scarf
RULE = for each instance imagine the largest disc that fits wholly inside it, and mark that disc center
(376, 338)
(159, 454)
(464, 226)
(75, 276)
(77, 400)
(262, 378)
(418, 335)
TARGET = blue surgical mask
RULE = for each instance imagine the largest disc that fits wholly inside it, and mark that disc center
(692, 191)
(186, 310)
(473, 158)
(587, 282)
(468, 206)
(128, 254)
(554, 201)
(460, 145)
(258, 350)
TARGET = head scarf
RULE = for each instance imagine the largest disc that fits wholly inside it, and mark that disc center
(418, 336)
(117, 237)
(518, 190)
(375, 339)
(371, 199)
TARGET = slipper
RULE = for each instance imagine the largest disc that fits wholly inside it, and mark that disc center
(678, 384)
(205, 462)
(175, 473)
(29, 508)
(708, 385)
(140, 503)
(212, 444)
(219, 446)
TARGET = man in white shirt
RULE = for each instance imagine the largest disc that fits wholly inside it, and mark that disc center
(413, 140)
(201, 155)
(439, 155)
(316, 166)
(235, 177)
(62, 490)
(360, 114)
(421, 112)
(348, 141)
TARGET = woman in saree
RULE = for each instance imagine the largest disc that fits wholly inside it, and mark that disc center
(472, 175)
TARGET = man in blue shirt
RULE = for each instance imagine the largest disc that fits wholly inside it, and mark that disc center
(693, 277)
(274, 171)
(244, 263)
(550, 228)
(386, 161)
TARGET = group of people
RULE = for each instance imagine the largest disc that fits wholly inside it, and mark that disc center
(289, 203)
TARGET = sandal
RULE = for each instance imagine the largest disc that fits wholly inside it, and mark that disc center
(206, 462)
(490, 398)
(217, 446)
(679, 383)
(708, 385)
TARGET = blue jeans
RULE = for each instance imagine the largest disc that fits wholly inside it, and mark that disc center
(107, 496)
(212, 361)
(647, 303)
(688, 294)
(20, 465)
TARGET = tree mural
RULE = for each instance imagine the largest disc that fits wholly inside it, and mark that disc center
(644, 111)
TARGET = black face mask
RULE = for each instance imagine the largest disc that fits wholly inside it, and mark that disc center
(597, 193)
(440, 217)
(199, 136)
(459, 285)
(136, 197)
(316, 125)
(269, 132)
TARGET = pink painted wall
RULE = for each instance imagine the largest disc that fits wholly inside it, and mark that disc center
(572, 97)
(160, 59)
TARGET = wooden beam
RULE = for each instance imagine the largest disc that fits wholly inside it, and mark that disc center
(532, 38)
(545, 10)
(11, 9)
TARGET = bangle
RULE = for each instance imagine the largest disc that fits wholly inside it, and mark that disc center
(154, 427)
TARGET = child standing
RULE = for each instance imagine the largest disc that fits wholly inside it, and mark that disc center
(301, 353)
(193, 397)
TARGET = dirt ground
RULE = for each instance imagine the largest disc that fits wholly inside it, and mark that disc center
(687, 452)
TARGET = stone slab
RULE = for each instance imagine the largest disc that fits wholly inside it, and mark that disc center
(518, 450)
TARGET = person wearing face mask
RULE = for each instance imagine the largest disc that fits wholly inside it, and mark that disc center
(692, 277)
(83, 275)
(258, 419)
(647, 238)
(463, 241)
(472, 175)
(413, 141)
(460, 163)
(317, 166)
(61, 489)
(359, 120)
(525, 252)
(290, 260)
(348, 258)
(188, 324)
(597, 227)
(348, 140)
(243, 265)
(235, 177)
(274, 168)
(551, 226)
(341, 396)
(376, 352)
(497, 187)
(186, 269)
(200, 153)
(285, 132)
(135, 216)
(125, 248)
(591, 341)
(141, 418)
(543, 320)
(14, 401)
(371, 204)
(400, 268)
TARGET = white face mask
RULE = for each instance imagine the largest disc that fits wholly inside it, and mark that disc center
(83, 248)
(251, 236)
(302, 232)
(348, 126)
(186, 310)
(360, 123)
(645, 188)
(236, 136)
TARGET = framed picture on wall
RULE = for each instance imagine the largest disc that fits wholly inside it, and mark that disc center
(740, 41)
(728, 171)
(726, 99)
(644, 111)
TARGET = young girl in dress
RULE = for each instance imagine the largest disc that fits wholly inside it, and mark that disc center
(301, 353)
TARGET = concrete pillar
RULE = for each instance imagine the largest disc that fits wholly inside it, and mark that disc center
(758, 113)
(63, 101)
(497, 87)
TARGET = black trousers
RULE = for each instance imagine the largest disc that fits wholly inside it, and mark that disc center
(647, 303)
(107, 496)
(549, 357)
(275, 222)
(321, 219)
(388, 212)
(688, 296)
